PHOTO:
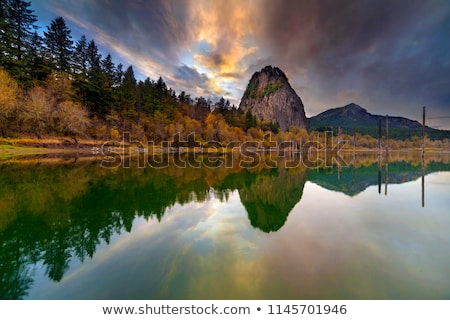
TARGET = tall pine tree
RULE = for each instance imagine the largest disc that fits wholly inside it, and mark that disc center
(89, 78)
(93, 56)
(38, 66)
(21, 20)
(128, 92)
(80, 58)
(58, 41)
(108, 69)
(4, 23)
(17, 24)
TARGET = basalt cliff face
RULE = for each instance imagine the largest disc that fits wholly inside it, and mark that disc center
(269, 96)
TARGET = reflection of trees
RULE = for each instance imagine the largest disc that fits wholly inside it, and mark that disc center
(15, 274)
(51, 214)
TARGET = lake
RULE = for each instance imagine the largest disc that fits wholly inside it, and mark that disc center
(71, 229)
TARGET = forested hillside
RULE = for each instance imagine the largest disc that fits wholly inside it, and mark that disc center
(54, 85)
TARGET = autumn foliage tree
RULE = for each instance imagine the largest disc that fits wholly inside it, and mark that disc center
(37, 111)
(50, 109)
(53, 85)
(9, 91)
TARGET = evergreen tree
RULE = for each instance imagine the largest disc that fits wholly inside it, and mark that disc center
(250, 120)
(17, 24)
(108, 69)
(220, 104)
(58, 41)
(182, 97)
(227, 105)
(149, 100)
(38, 67)
(4, 35)
(128, 91)
(108, 74)
(161, 85)
(80, 58)
(21, 24)
(160, 92)
(96, 79)
(93, 56)
(118, 76)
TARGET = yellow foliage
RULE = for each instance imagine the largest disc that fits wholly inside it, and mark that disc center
(114, 134)
(8, 94)
(71, 118)
(37, 110)
(210, 119)
(256, 134)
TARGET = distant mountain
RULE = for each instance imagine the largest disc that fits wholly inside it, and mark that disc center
(269, 96)
(353, 116)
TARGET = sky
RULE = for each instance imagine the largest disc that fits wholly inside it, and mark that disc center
(390, 57)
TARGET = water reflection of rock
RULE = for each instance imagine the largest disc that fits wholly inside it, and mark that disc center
(270, 199)
(51, 213)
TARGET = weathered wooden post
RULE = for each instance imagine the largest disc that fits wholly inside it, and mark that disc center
(379, 155)
(423, 133)
(379, 174)
(354, 145)
(379, 136)
(386, 172)
(423, 182)
(423, 159)
(387, 133)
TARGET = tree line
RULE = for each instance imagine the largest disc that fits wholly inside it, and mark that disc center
(52, 85)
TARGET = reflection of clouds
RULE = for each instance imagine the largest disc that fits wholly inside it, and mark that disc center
(362, 247)
(183, 254)
(332, 246)
(215, 249)
(440, 178)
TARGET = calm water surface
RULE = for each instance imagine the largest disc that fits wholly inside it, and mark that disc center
(73, 230)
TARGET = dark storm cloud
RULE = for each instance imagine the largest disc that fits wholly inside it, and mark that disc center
(156, 28)
(396, 50)
(331, 34)
(185, 76)
(186, 73)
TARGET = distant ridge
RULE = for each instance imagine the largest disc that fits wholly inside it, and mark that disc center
(353, 116)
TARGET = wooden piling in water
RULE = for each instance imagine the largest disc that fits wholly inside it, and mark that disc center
(379, 136)
(379, 174)
(423, 133)
(423, 158)
(386, 176)
(423, 182)
(387, 133)
(386, 172)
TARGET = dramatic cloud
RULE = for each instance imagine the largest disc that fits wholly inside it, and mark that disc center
(389, 56)
(392, 55)
(187, 77)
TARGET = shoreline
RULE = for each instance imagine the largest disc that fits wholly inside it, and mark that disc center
(63, 146)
